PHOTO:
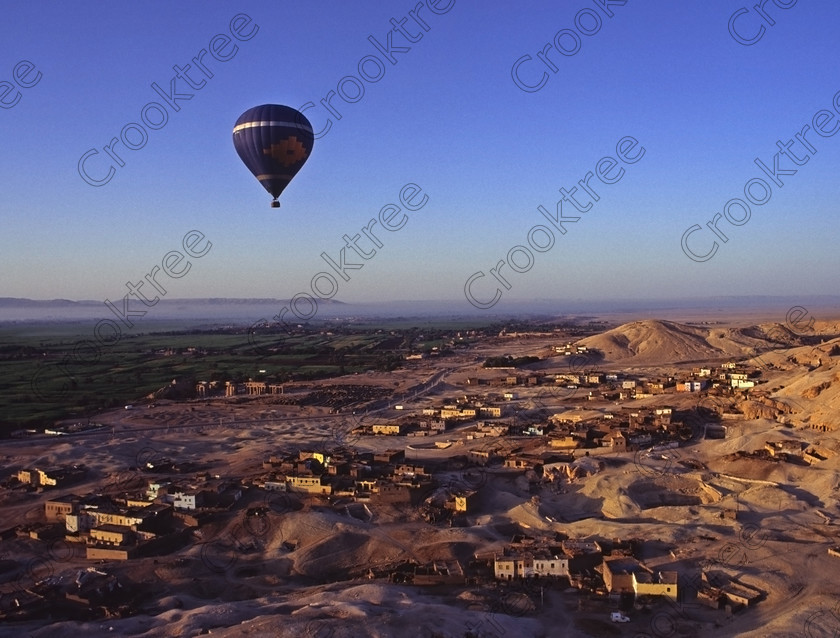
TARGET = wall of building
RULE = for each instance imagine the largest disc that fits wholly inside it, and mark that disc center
(101, 553)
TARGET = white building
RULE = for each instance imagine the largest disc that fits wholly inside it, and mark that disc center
(185, 500)
(742, 383)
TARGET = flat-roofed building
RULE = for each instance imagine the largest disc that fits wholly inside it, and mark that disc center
(307, 484)
(57, 509)
(626, 574)
(112, 534)
(386, 428)
(529, 564)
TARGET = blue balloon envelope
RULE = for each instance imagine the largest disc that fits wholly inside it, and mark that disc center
(274, 142)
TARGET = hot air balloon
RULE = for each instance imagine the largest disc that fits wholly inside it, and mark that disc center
(274, 142)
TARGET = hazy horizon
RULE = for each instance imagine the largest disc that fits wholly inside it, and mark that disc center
(247, 311)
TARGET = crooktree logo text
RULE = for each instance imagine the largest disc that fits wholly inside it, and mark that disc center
(566, 43)
(748, 25)
(371, 68)
(24, 76)
(796, 151)
(540, 238)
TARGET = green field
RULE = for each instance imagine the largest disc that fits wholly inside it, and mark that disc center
(54, 371)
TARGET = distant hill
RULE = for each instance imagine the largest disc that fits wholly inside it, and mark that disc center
(211, 309)
(20, 302)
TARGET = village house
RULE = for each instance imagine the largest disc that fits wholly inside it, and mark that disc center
(568, 416)
(56, 509)
(158, 489)
(739, 596)
(615, 440)
(388, 456)
(719, 589)
(530, 564)
(657, 584)
(387, 492)
(152, 517)
(465, 502)
(663, 415)
(110, 534)
(338, 467)
(626, 574)
(639, 439)
(582, 554)
(656, 387)
(307, 485)
(569, 349)
(450, 412)
(411, 471)
(518, 463)
(566, 442)
(53, 477)
(365, 486)
(303, 455)
(87, 519)
(389, 429)
(188, 500)
(481, 457)
(492, 429)
(691, 386)
(435, 426)
(458, 413)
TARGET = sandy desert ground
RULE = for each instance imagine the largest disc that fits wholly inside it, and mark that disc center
(242, 581)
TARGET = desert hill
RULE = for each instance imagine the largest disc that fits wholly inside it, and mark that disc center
(810, 383)
(655, 342)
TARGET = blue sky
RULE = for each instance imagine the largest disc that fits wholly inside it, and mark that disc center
(447, 117)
